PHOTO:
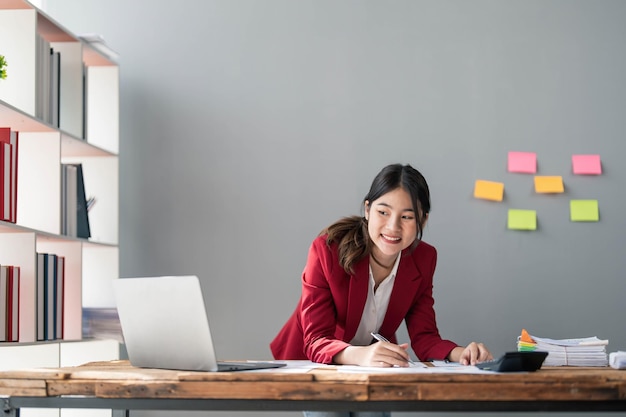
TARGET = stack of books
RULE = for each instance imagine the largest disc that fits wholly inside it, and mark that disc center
(588, 351)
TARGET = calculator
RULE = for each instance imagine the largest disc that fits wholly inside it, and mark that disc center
(515, 362)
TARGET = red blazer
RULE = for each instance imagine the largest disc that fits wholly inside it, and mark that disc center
(332, 303)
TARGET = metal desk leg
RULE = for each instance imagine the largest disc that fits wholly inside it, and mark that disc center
(7, 410)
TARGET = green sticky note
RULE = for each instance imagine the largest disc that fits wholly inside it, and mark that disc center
(584, 210)
(522, 219)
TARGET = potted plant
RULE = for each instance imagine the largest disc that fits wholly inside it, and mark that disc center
(3, 64)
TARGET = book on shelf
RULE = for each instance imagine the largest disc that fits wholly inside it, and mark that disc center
(50, 296)
(4, 302)
(9, 174)
(82, 227)
(14, 303)
(39, 295)
(59, 296)
(9, 303)
(74, 204)
(587, 351)
(50, 300)
(48, 79)
(55, 88)
(5, 181)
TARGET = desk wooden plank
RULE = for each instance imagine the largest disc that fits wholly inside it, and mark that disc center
(71, 387)
(245, 376)
(23, 387)
(35, 373)
(519, 392)
(591, 375)
(236, 390)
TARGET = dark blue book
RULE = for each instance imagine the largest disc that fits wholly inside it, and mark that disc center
(82, 213)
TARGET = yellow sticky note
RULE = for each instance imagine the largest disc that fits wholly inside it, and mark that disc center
(522, 219)
(545, 184)
(584, 210)
(489, 190)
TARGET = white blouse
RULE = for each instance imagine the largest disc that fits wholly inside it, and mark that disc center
(375, 307)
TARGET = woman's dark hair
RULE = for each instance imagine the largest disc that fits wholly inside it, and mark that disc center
(351, 233)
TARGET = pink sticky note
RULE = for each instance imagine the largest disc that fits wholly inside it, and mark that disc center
(586, 164)
(525, 162)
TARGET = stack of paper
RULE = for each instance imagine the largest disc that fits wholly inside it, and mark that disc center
(588, 351)
(617, 359)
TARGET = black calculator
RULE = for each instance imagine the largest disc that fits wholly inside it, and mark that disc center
(515, 362)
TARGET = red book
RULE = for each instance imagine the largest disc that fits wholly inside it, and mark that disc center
(14, 154)
(60, 290)
(5, 181)
(15, 303)
(11, 137)
(4, 302)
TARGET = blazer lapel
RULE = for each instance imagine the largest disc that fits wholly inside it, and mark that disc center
(359, 284)
(404, 287)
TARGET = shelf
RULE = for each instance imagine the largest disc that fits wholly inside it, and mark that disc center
(21, 121)
(88, 133)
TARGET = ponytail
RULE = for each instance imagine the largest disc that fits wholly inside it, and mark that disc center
(352, 238)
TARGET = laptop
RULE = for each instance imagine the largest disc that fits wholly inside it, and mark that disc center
(165, 325)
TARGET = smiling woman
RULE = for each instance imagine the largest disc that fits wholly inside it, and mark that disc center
(365, 275)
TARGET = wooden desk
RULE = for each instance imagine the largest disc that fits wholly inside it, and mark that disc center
(119, 386)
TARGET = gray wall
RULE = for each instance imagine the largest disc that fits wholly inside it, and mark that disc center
(247, 126)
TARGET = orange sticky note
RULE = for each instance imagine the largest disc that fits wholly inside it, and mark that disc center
(489, 190)
(525, 337)
(586, 164)
(525, 162)
(545, 184)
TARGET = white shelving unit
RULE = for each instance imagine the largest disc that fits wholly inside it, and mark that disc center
(88, 132)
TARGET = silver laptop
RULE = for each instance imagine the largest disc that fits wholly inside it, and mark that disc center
(165, 325)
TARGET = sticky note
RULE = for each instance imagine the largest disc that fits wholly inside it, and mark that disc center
(525, 162)
(522, 219)
(526, 337)
(546, 184)
(489, 190)
(584, 210)
(586, 164)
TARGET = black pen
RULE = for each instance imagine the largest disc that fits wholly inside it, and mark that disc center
(382, 338)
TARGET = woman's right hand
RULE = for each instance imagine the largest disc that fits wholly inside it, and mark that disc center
(379, 354)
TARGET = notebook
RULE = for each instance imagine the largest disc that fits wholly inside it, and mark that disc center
(165, 325)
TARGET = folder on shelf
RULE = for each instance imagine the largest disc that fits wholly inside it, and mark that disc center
(75, 216)
(82, 227)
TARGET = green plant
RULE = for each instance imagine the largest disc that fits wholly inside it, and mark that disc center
(3, 64)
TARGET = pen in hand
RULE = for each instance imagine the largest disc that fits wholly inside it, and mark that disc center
(382, 338)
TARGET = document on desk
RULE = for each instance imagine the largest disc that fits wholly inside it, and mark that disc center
(416, 367)
(446, 364)
(297, 366)
(420, 368)
(293, 367)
